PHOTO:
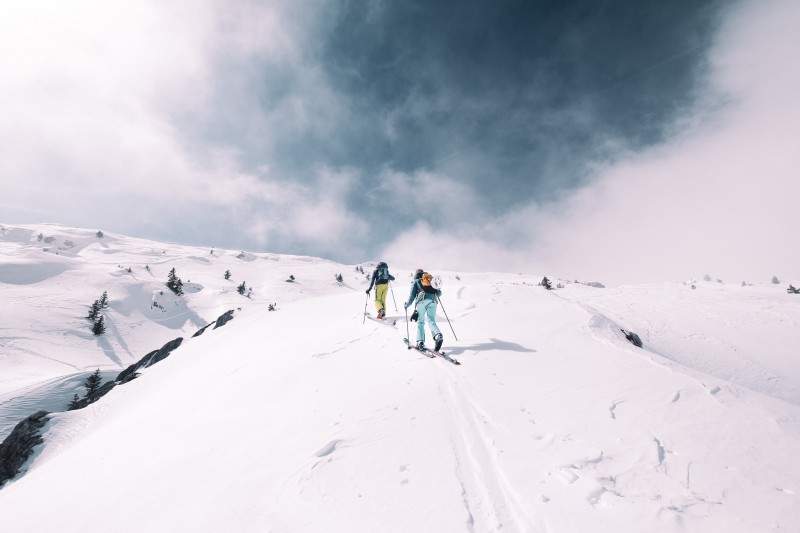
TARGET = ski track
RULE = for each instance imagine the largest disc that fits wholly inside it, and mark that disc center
(490, 500)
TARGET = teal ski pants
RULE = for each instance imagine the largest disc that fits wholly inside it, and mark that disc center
(426, 307)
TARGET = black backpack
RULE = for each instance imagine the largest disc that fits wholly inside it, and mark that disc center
(383, 272)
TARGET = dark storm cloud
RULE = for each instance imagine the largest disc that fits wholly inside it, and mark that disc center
(514, 97)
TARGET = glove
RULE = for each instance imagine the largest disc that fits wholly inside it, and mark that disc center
(414, 316)
(405, 305)
(367, 291)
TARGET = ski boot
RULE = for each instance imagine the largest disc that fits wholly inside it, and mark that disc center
(381, 313)
(439, 340)
(421, 345)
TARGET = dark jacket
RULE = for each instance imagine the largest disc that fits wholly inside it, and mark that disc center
(377, 281)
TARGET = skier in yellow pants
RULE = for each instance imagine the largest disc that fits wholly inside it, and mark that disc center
(381, 279)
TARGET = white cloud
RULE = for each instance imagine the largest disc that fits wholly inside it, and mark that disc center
(106, 96)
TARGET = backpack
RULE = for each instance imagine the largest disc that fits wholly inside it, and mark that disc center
(428, 283)
(383, 272)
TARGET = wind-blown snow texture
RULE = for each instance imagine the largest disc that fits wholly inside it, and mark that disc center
(306, 419)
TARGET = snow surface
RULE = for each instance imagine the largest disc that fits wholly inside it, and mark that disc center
(311, 419)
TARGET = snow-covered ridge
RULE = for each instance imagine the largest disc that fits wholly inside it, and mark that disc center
(309, 419)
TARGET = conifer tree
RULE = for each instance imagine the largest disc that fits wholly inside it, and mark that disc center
(104, 299)
(546, 283)
(241, 288)
(227, 274)
(174, 283)
(92, 384)
(94, 310)
(74, 403)
(99, 326)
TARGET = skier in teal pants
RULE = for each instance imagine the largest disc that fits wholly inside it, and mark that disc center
(425, 296)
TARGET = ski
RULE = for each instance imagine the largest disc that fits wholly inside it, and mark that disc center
(431, 353)
(388, 322)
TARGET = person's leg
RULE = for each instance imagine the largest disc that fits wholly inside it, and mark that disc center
(421, 321)
(431, 312)
(380, 297)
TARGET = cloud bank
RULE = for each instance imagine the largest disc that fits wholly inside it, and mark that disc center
(586, 141)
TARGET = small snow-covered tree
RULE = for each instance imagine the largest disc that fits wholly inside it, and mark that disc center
(775, 280)
(339, 278)
(242, 288)
(174, 283)
(73, 404)
(707, 277)
(94, 310)
(227, 274)
(792, 290)
(546, 283)
(104, 299)
(92, 384)
(99, 234)
(99, 326)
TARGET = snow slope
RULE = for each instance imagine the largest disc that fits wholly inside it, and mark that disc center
(310, 419)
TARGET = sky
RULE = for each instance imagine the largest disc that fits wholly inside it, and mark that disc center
(598, 140)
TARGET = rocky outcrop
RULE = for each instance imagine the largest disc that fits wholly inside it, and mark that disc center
(148, 360)
(226, 317)
(202, 330)
(17, 448)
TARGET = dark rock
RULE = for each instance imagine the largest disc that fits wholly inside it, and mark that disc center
(17, 448)
(226, 317)
(633, 338)
(131, 372)
(165, 350)
(202, 330)
(148, 360)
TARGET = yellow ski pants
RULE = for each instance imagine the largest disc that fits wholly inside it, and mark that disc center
(380, 296)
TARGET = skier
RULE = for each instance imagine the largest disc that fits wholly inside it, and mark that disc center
(425, 296)
(381, 279)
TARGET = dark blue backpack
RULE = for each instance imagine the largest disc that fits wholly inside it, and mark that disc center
(383, 272)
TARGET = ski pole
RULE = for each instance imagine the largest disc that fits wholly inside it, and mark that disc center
(408, 334)
(447, 317)
(395, 301)
(363, 320)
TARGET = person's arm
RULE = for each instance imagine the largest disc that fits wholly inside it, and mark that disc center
(374, 275)
(411, 296)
